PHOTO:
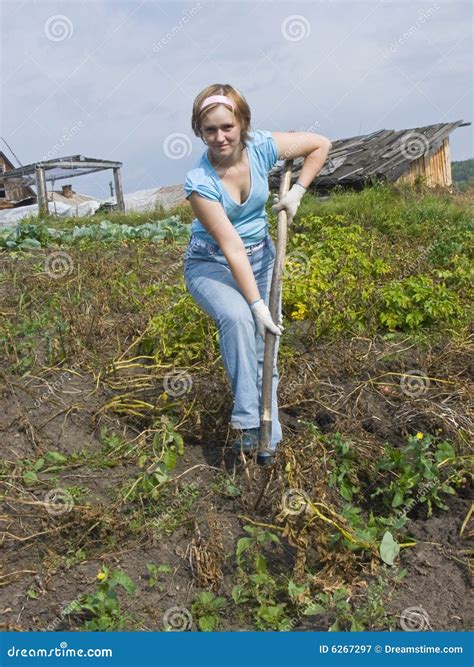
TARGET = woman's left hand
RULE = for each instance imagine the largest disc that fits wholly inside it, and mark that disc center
(290, 202)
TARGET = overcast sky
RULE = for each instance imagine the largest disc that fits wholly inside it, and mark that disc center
(116, 79)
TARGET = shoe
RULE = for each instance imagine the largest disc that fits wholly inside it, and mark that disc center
(266, 459)
(247, 442)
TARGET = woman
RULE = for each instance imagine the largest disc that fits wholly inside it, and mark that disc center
(229, 261)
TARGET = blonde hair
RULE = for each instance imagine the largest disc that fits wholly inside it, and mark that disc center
(241, 111)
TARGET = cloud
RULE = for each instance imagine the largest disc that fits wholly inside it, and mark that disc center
(130, 71)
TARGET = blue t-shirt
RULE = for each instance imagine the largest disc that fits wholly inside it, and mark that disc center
(249, 218)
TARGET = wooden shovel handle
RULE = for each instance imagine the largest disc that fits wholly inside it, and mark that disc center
(274, 300)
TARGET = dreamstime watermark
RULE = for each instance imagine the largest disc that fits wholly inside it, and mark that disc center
(177, 619)
(300, 382)
(295, 28)
(295, 501)
(188, 14)
(423, 490)
(177, 383)
(427, 14)
(58, 501)
(411, 268)
(70, 608)
(414, 266)
(300, 139)
(298, 262)
(68, 134)
(58, 28)
(58, 264)
(170, 270)
(177, 145)
(415, 619)
(55, 386)
(61, 651)
(414, 145)
(414, 383)
(186, 493)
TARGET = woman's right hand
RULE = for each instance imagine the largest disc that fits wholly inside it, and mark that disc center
(263, 319)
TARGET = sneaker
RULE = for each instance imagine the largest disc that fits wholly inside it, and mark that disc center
(248, 441)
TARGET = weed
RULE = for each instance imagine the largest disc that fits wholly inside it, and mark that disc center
(103, 606)
(367, 614)
(155, 572)
(343, 475)
(260, 586)
(176, 510)
(207, 609)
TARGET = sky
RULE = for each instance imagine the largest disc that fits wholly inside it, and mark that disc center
(116, 79)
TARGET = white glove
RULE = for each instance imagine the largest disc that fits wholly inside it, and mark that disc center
(290, 201)
(263, 319)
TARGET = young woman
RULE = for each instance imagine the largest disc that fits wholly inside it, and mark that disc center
(229, 261)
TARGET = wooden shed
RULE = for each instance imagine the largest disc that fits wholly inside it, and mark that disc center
(13, 194)
(39, 173)
(394, 156)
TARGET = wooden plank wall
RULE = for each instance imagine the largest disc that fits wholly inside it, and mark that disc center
(14, 191)
(436, 169)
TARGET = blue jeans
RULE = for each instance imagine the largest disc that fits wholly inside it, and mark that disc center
(210, 282)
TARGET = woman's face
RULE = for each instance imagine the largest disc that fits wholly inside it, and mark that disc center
(221, 131)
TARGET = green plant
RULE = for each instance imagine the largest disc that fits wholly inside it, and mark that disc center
(31, 469)
(32, 593)
(330, 274)
(367, 530)
(113, 445)
(74, 556)
(336, 606)
(103, 606)
(370, 613)
(416, 474)
(176, 510)
(417, 301)
(343, 475)
(366, 613)
(36, 234)
(223, 485)
(207, 609)
(155, 572)
(259, 586)
(167, 445)
(181, 332)
(26, 235)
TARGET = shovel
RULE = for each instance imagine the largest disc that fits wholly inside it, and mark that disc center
(270, 339)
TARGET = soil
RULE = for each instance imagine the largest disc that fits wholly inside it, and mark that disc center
(348, 387)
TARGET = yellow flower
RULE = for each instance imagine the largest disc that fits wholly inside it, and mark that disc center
(419, 435)
(300, 313)
(164, 396)
(101, 575)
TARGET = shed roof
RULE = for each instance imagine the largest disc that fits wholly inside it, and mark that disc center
(385, 155)
(60, 168)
